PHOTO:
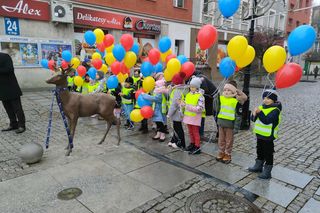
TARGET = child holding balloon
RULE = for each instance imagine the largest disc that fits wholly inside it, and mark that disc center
(229, 103)
(193, 108)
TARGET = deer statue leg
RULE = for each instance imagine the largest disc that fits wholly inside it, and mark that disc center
(109, 123)
(72, 125)
(118, 130)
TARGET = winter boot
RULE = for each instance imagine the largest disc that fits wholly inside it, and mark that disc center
(266, 173)
(190, 147)
(220, 156)
(226, 159)
(157, 136)
(162, 137)
(257, 166)
(195, 151)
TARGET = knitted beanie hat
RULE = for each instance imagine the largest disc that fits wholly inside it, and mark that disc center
(178, 78)
(230, 87)
(196, 82)
(160, 83)
(271, 94)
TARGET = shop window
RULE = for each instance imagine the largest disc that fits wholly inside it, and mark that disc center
(178, 3)
(179, 47)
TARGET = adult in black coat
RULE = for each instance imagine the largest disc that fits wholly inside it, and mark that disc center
(10, 93)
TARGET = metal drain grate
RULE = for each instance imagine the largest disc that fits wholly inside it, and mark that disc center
(69, 193)
(216, 201)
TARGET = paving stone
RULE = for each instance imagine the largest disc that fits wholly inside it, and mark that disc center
(272, 191)
(242, 159)
(224, 172)
(190, 160)
(318, 191)
(292, 177)
(210, 148)
(311, 206)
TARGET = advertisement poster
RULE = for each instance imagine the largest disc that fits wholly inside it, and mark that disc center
(145, 45)
(22, 54)
(222, 52)
(54, 51)
(82, 49)
(201, 55)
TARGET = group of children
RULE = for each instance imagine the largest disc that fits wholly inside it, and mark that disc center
(184, 104)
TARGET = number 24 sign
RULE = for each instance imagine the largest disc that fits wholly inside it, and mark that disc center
(12, 26)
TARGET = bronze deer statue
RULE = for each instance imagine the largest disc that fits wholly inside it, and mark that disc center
(76, 105)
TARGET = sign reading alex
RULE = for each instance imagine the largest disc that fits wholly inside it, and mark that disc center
(27, 9)
(114, 21)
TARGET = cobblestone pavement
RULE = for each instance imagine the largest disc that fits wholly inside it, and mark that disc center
(297, 149)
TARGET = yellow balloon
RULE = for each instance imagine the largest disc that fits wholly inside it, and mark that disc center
(163, 56)
(148, 84)
(99, 35)
(96, 55)
(237, 47)
(173, 66)
(122, 77)
(78, 81)
(247, 57)
(274, 58)
(136, 116)
(104, 68)
(168, 75)
(109, 49)
(130, 59)
(75, 62)
(110, 58)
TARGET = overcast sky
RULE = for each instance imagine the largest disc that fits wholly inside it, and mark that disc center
(316, 2)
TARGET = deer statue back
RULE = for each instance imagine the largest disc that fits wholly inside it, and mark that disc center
(76, 105)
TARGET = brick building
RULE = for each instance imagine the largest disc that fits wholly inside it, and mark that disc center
(297, 17)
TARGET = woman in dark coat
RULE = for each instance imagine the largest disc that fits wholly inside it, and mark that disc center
(10, 93)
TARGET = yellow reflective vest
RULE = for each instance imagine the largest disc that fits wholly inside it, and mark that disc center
(266, 130)
(227, 108)
(70, 81)
(126, 91)
(192, 99)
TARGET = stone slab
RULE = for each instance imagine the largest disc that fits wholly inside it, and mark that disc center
(290, 176)
(148, 143)
(190, 160)
(242, 159)
(272, 191)
(311, 206)
(162, 176)
(224, 172)
(318, 191)
(210, 148)
(128, 159)
(35, 193)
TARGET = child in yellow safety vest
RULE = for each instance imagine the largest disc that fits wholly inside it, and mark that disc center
(193, 108)
(160, 108)
(267, 118)
(84, 87)
(228, 104)
(70, 79)
(127, 96)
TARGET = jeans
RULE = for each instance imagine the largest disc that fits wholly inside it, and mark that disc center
(128, 109)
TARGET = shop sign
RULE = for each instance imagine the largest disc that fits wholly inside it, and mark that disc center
(26, 9)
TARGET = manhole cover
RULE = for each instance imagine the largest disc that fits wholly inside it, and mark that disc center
(70, 193)
(216, 201)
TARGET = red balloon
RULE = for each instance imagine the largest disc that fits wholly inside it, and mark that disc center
(207, 36)
(108, 40)
(101, 47)
(147, 112)
(288, 75)
(51, 64)
(97, 63)
(146, 59)
(81, 70)
(64, 64)
(154, 56)
(188, 69)
(237, 69)
(170, 57)
(124, 69)
(127, 41)
(116, 67)
(138, 92)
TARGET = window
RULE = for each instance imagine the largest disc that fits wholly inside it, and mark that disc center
(272, 19)
(291, 6)
(307, 3)
(297, 23)
(281, 22)
(290, 21)
(205, 6)
(178, 3)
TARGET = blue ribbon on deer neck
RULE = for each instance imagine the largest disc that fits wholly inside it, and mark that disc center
(56, 93)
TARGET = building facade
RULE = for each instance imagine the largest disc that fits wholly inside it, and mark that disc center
(299, 12)
(32, 29)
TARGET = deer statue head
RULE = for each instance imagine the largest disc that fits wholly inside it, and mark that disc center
(60, 80)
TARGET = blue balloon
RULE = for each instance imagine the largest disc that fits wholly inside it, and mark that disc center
(228, 7)
(227, 67)
(112, 82)
(182, 58)
(119, 52)
(146, 69)
(164, 44)
(66, 55)
(92, 72)
(143, 102)
(135, 48)
(158, 67)
(44, 63)
(301, 39)
(90, 37)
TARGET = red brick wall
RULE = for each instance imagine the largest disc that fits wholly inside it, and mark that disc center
(302, 16)
(162, 8)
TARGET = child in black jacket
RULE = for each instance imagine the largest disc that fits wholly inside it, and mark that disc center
(267, 119)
